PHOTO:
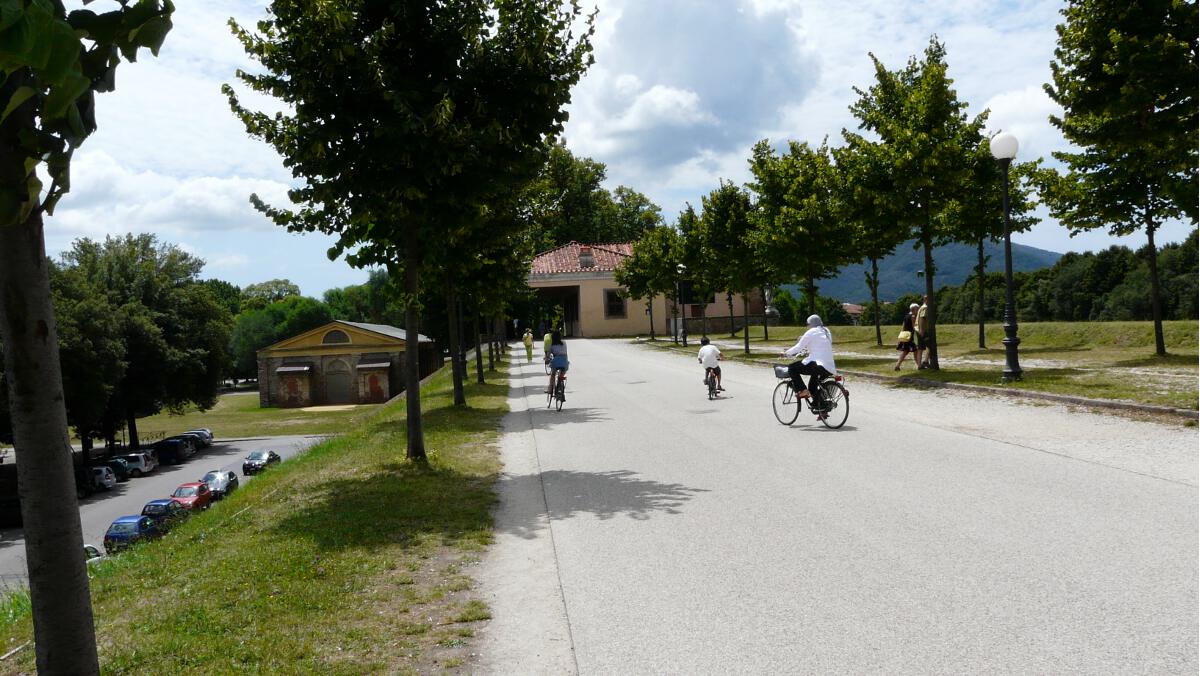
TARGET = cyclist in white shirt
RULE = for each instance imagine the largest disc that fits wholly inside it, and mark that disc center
(817, 344)
(709, 356)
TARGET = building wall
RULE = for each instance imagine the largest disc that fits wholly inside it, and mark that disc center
(594, 324)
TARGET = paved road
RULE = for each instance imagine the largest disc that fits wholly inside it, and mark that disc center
(99, 510)
(644, 529)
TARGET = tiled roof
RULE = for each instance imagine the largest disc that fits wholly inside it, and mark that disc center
(565, 259)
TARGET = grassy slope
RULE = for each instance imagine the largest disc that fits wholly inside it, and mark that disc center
(345, 560)
(1104, 360)
(239, 415)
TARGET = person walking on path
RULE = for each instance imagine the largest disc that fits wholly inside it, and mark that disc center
(528, 340)
(905, 343)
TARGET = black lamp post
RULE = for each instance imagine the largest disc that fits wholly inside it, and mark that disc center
(1004, 149)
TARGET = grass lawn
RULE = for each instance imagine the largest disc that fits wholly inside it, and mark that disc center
(239, 415)
(345, 560)
(1101, 360)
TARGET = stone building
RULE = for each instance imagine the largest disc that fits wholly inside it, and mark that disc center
(339, 363)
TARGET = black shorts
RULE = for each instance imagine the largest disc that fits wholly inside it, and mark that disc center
(714, 369)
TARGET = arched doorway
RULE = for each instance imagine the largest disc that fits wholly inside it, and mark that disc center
(337, 383)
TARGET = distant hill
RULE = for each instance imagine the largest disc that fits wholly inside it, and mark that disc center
(955, 264)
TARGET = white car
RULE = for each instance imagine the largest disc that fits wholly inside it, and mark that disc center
(204, 432)
(104, 478)
(139, 463)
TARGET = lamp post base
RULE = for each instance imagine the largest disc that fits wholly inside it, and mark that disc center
(1012, 369)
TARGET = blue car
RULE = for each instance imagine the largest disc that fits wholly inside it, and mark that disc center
(127, 530)
(166, 513)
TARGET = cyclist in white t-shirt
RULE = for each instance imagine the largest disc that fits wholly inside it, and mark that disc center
(710, 356)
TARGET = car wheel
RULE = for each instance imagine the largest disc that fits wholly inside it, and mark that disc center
(136, 473)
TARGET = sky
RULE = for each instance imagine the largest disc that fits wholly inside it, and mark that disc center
(680, 91)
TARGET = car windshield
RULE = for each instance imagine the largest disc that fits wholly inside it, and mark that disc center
(258, 455)
(185, 491)
(211, 477)
(154, 509)
(123, 527)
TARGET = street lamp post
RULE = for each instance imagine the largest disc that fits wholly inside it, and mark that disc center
(682, 270)
(1004, 149)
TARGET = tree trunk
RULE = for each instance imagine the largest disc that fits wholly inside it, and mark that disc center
(64, 635)
(650, 313)
(732, 328)
(1160, 344)
(412, 363)
(979, 271)
(931, 311)
(454, 321)
(746, 324)
(131, 428)
(873, 285)
(704, 320)
(479, 353)
(810, 286)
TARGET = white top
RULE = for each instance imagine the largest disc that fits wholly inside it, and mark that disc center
(709, 356)
(817, 343)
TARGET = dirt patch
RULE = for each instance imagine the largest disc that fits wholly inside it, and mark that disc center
(328, 409)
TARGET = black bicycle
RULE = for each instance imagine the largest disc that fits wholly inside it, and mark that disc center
(710, 381)
(558, 394)
(833, 410)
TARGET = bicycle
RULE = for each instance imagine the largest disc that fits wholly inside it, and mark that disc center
(558, 395)
(835, 403)
(548, 368)
(710, 380)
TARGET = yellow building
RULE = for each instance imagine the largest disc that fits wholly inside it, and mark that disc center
(581, 279)
(339, 363)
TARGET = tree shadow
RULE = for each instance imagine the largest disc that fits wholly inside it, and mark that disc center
(1155, 360)
(604, 495)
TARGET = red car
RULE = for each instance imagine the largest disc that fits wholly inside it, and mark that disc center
(193, 495)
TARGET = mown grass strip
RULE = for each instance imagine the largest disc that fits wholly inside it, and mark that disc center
(345, 560)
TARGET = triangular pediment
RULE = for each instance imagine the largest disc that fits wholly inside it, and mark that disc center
(329, 336)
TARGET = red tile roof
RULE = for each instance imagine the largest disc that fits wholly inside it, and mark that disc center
(565, 259)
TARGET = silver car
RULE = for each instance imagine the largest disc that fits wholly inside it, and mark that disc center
(104, 478)
(139, 463)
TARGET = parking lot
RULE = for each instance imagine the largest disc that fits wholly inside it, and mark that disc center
(99, 510)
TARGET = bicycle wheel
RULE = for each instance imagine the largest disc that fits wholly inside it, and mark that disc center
(560, 394)
(837, 404)
(712, 387)
(784, 402)
(548, 369)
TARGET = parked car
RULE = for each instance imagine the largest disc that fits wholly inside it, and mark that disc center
(193, 495)
(103, 478)
(166, 513)
(220, 482)
(119, 467)
(171, 451)
(128, 530)
(92, 555)
(191, 443)
(139, 463)
(203, 432)
(257, 461)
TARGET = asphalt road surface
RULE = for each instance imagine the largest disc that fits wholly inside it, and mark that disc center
(99, 510)
(645, 529)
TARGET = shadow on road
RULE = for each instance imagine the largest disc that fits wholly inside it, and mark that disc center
(604, 495)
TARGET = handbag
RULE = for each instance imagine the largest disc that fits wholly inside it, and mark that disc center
(905, 337)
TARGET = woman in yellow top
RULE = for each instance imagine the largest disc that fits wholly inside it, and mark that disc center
(528, 340)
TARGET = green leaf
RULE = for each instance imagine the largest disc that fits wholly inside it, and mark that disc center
(64, 94)
(152, 33)
(20, 96)
(10, 12)
(64, 52)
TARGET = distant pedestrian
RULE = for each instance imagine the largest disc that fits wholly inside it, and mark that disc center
(546, 345)
(528, 340)
(921, 327)
(906, 341)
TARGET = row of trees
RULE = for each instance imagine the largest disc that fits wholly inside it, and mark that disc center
(918, 169)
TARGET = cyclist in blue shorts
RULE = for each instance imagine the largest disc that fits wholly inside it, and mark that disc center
(557, 357)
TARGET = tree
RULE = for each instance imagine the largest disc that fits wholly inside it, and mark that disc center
(800, 232)
(1125, 76)
(435, 109)
(228, 295)
(652, 268)
(270, 291)
(868, 205)
(927, 138)
(53, 64)
(728, 225)
(255, 329)
(175, 332)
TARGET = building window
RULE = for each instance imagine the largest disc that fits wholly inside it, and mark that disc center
(614, 304)
(335, 336)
